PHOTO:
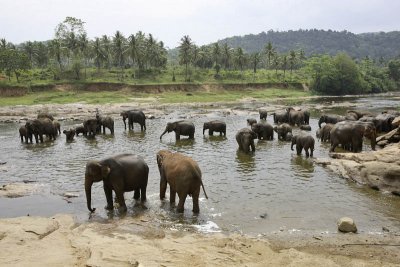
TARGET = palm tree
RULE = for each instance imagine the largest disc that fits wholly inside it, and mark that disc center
(185, 53)
(292, 60)
(3, 43)
(106, 44)
(255, 59)
(269, 51)
(83, 43)
(56, 50)
(226, 55)
(141, 49)
(275, 59)
(284, 65)
(98, 53)
(29, 50)
(132, 49)
(216, 52)
(240, 58)
(119, 50)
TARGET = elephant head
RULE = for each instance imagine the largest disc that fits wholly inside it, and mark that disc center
(322, 119)
(95, 172)
(206, 126)
(370, 133)
(124, 115)
(171, 126)
(251, 121)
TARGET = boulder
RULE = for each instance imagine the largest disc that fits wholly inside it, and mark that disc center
(347, 225)
(396, 122)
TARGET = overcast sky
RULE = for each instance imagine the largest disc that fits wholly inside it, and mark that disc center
(205, 21)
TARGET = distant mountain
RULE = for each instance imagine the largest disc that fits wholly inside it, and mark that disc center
(373, 45)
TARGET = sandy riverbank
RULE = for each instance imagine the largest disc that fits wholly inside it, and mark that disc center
(58, 241)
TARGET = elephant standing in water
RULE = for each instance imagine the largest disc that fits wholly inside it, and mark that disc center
(90, 126)
(264, 130)
(263, 114)
(185, 128)
(330, 119)
(280, 116)
(121, 173)
(350, 135)
(40, 127)
(183, 175)
(23, 133)
(283, 130)
(105, 122)
(305, 141)
(215, 126)
(245, 139)
(136, 116)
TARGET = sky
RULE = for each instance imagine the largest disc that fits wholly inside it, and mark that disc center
(205, 21)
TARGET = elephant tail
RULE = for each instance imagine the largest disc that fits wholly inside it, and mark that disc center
(203, 189)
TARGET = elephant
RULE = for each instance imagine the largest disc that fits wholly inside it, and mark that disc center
(264, 130)
(134, 116)
(69, 134)
(90, 126)
(282, 130)
(330, 119)
(280, 117)
(251, 121)
(303, 141)
(350, 135)
(23, 133)
(40, 127)
(263, 114)
(383, 122)
(183, 175)
(245, 139)
(215, 126)
(44, 115)
(120, 173)
(306, 117)
(295, 116)
(288, 137)
(180, 128)
(318, 133)
(325, 132)
(106, 122)
(57, 126)
(358, 114)
(305, 127)
(80, 129)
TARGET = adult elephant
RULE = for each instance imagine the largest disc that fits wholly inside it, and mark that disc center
(263, 114)
(306, 113)
(327, 118)
(90, 126)
(325, 133)
(295, 117)
(215, 126)
(134, 116)
(45, 115)
(245, 139)
(183, 175)
(120, 173)
(282, 131)
(40, 127)
(383, 122)
(350, 135)
(303, 141)
(264, 130)
(105, 122)
(23, 133)
(183, 127)
(280, 116)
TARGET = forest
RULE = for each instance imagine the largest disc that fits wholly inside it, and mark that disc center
(327, 62)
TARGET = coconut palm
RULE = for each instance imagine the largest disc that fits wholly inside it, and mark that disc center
(119, 51)
(83, 43)
(106, 45)
(292, 60)
(56, 51)
(98, 53)
(255, 59)
(240, 58)
(226, 55)
(186, 53)
(132, 49)
(284, 64)
(269, 51)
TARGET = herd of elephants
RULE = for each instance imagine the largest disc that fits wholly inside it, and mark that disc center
(129, 172)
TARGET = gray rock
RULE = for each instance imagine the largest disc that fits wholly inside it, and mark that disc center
(347, 225)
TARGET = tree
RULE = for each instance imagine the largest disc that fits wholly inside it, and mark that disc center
(56, 50)
(292, 60)
(185, 53)
(216, 52)
(269, 51)
(29, 49)
(226, 56)
(98, 53)
(394, 69)
(255, 59)
(119, 50)
(276, 62)
(133, 49)
(41, 55)
(106, 44)
(284, 65)
(83, 44)
(13, 61)
(240, 58)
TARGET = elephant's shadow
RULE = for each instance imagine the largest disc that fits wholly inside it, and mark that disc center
(184, 143)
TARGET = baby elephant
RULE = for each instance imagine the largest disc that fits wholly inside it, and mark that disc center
(215, 126)
(69, 134)
(183, 176)
(80, 129)
(245, 139)
(303, 141)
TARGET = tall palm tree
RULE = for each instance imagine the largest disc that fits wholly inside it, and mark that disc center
(226, 55)
(98, 53)
(29, 49)
(56, 50)
(185, 53)
(255, 59)
(83, 44)
(292, 60)
(240, 58)
(133, 49)
(276, 61)
(269, 51)
(216, 52)
(3, 43)
(106, 44)
(119, 50)
(141, 49)
(284, 65)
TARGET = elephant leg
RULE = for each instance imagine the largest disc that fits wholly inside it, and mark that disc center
(195, 196)
(191, 136)
(121, 200)
(112, 130)
(104, 129)
(108, 193)
(307, 153)
(210, 132)
(172, 195)
(298, 149)
(252, 146)
(181, 204)
(41, 138)
(177, 136)
(143, 194)
(311, 151)
(136, 195)
(163, 188)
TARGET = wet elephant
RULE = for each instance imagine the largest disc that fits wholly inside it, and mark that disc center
(282, 130)
(251, 121)
(330, 119)
(263, 114)
(295, 117)
(69, 134)
(305, 127)
(105, 122)
(264, 130)
(183, 127)
(57, 125)
(383, 122)
(326, 132)
(134, 116)
(183, 175)
(245, 139)
(303, 141)
(23, 134)
(90, 126)
(45, 115)
(40, 127)
(120, 173)
(350, 135)
(215, 126)
(80, 129)
(280, 116)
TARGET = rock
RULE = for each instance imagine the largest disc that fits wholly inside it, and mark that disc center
(347, 225)
(151, 117)
(70, 195)
(15, 190)
(396, 122)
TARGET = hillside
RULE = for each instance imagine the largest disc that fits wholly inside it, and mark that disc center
(374, 45)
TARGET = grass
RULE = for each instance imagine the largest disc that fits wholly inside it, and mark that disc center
(64, 97)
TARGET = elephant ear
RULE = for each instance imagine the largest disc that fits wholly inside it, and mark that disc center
(105, 171)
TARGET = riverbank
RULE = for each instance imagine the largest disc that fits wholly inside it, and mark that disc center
(138, 242)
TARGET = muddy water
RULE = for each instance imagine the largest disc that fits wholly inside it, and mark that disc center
(270, 190)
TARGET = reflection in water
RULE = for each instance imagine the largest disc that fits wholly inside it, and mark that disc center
(302, 166)
(185, 143)
(246, 162)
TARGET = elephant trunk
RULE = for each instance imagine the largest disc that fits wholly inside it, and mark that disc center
(291, 147)
(163, 133)
(319, 123)
(88, 190)
(204, 129)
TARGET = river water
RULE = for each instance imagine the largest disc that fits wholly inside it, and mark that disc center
(269, 191)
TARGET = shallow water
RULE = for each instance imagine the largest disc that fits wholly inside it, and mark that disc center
(270, 190)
